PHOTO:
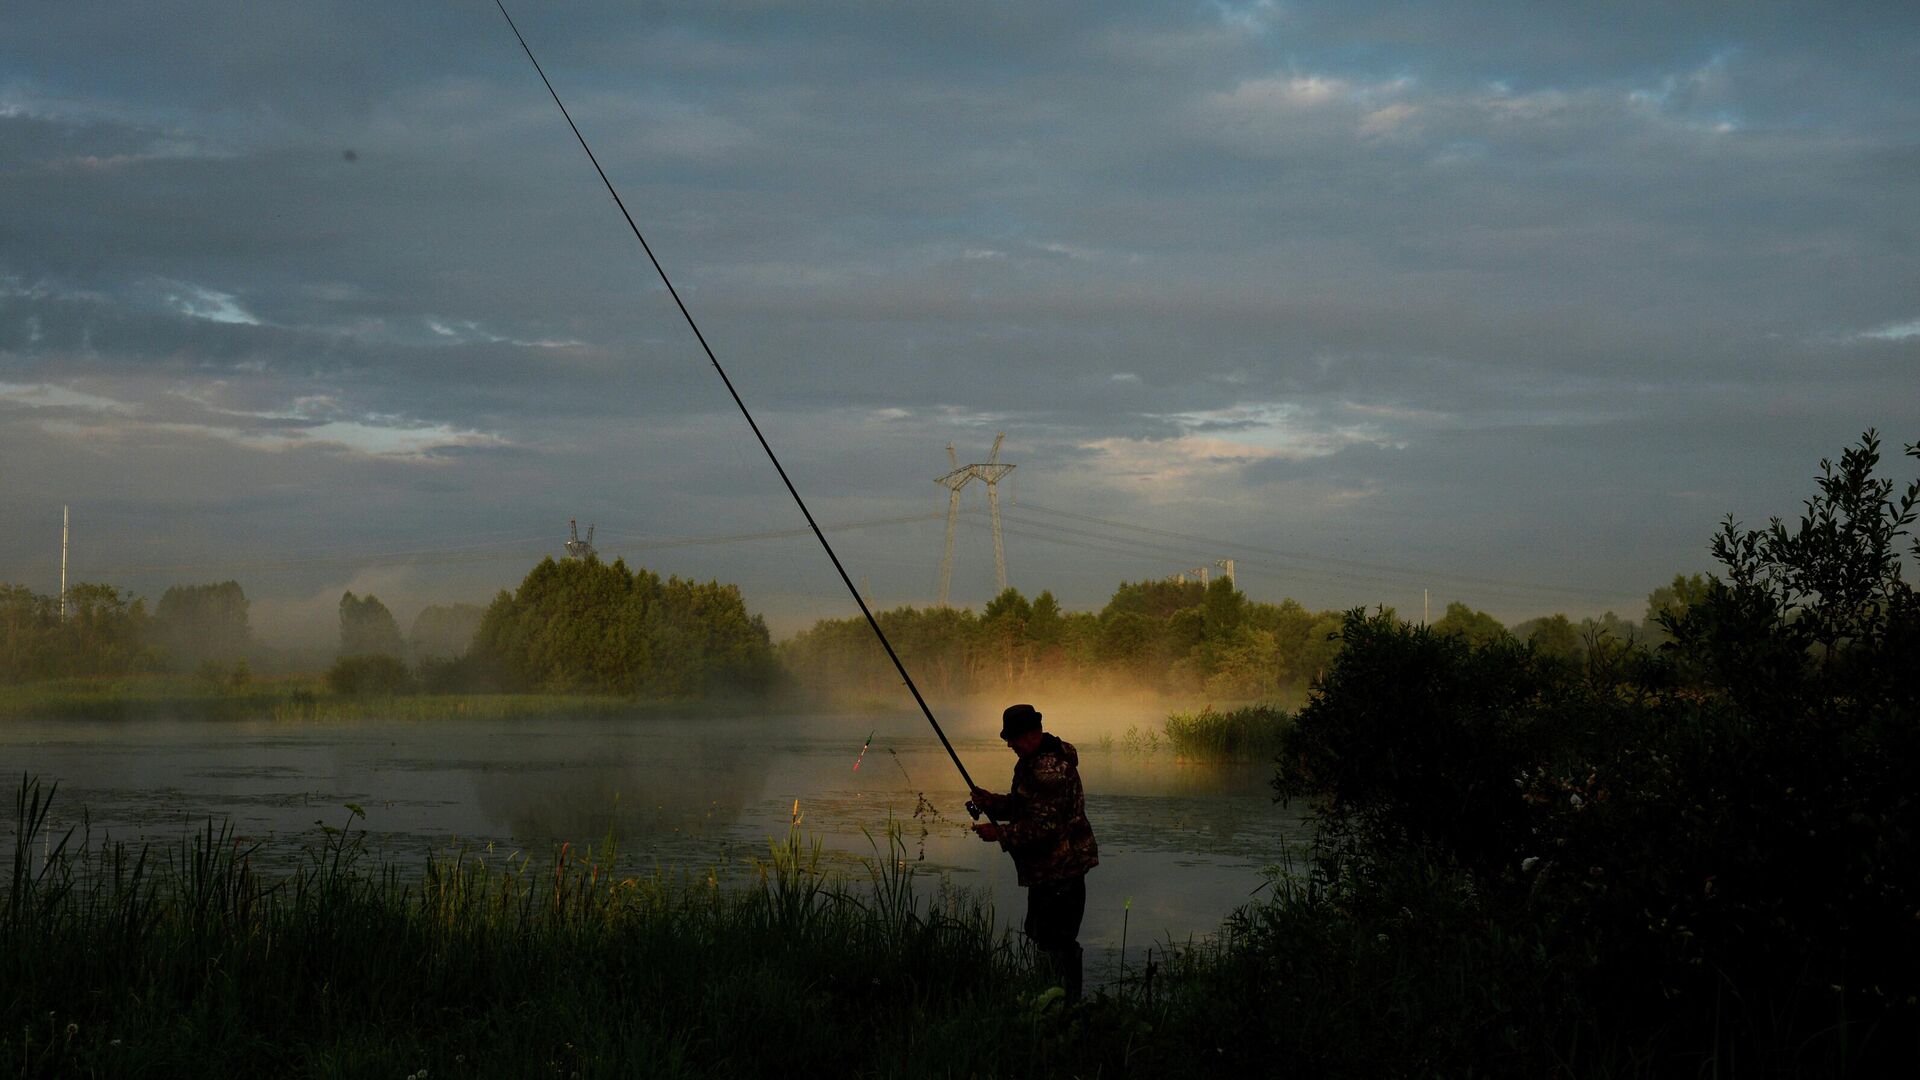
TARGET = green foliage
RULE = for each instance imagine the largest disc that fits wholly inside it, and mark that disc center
(584, 625)
(443, 631)
(1415, 737)
(367, 627)
(1157, 599)
(1160, 634)
(1553, 636)
(1669, 602)
(1714, 848)
(1239, 734)
(1474, 627)
(105, 632)
(197, 624)
(372, 674)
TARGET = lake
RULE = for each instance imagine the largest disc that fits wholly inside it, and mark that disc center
(1186, 842)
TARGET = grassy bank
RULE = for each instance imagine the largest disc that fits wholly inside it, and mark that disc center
(187, 961)
(308, 698)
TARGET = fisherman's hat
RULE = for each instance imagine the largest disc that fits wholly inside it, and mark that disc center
(1018, 720)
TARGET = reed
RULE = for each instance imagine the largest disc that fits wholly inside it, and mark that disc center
(1253, 732)
(189, 960)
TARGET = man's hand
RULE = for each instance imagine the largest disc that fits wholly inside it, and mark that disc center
(988, 831)
(980, 796)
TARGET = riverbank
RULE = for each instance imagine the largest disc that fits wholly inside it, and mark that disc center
(300, 697)
(187, 960)
(191, 962)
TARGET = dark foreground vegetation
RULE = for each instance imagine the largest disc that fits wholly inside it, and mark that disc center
(1699, 860)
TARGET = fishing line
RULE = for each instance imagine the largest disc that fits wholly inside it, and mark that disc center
(744, 412)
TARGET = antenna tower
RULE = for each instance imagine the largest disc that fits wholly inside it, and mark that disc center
(63, 564)
(989, 472)
(576, 547)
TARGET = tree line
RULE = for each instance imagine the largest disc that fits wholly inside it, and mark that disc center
(571, 626)
(1174, 636)
(1168, 634)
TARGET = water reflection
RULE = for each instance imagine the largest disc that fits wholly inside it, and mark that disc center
(693, 789)
(1186, 841)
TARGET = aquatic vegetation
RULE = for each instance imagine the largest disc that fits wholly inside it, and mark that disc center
(189, 960)
(1253, 732)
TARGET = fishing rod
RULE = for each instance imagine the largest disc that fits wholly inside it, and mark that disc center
(925, 710)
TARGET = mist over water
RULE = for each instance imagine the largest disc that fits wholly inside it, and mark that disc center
(1187, 842)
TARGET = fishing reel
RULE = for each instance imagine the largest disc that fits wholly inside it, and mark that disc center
(973, 810)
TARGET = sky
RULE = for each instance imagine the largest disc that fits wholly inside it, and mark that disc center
(1511, 304)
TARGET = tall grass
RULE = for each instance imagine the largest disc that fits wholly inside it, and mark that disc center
(1246, 734)
(187, 960)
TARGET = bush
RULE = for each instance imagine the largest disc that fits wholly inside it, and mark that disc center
(1716, 842)
(367, 675)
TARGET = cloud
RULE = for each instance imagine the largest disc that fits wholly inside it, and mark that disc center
(1238, 254)
(212, 305)
(1898, 331)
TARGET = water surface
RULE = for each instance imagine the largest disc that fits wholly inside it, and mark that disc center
(1187, 842)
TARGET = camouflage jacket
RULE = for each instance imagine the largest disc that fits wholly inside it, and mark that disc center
(1043, 822)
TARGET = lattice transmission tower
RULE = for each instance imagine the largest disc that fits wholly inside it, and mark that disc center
(989, 472)
(576, 547)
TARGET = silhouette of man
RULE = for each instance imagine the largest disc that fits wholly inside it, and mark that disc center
(1043, 825)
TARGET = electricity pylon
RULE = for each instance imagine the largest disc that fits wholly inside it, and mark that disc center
(576, 547)
(1205, 573)
(989, 472)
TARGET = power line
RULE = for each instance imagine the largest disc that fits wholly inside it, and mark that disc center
(466, 554)
(1413, 574)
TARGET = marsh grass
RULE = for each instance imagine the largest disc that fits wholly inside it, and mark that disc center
(299, 698)
(1251, 733)
(188, 960)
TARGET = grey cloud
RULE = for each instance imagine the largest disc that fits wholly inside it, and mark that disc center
(1489, 263)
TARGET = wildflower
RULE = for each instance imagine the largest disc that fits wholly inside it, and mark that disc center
(72, 1030)
(1575, 800)
(113, 1042)
(1527, 864)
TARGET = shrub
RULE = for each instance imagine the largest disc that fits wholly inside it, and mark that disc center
(1717, 841)
(362, 675)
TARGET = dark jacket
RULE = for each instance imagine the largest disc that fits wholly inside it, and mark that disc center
(1043, 822)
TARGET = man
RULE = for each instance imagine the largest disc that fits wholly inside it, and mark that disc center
(1043, 825)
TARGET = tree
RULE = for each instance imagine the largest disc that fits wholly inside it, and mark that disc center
(367, 627)
(1474, 627)
(1727, 818)
(1552, 636)
(444, 631)
(195, 624)
(586, 625)
(1672, 601)
(1157, 599)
